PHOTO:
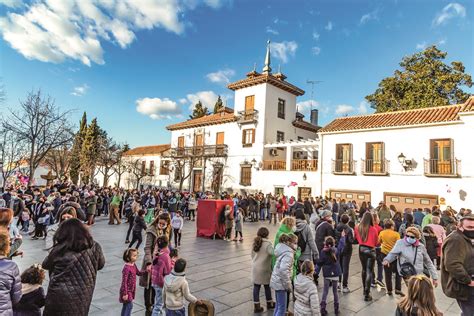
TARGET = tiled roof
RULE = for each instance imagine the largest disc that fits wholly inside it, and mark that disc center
(439, 114)
(147, 150)
(306, 125)
(255, 78)
(225, 116)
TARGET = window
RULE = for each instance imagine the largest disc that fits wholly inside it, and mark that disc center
(181, 145)
(164, 167)
(248, 137)
(281, 108)
(374, 157)
(152, 168)
(245, 175)
(143, 167)
(280, 136)
(343, 161)
(220, 143)
(441, 156)
(198, 144)
(300, 138)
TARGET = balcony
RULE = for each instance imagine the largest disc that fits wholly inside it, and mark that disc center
(304, 165)
(450, 168)
(247, 117)
(371, 167)
(206, 151)
(279, 165)
(343, 167)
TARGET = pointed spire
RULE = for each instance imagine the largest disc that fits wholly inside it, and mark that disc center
(267, 69)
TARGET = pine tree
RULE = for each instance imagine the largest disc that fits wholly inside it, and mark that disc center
(199, 111)
(219, 105)
(75, 158)
(90, 150)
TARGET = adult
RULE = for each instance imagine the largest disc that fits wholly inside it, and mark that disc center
(384, 213)
(6, 223)
(440, 235)
(324, 228)
(91, 202)
(346, 253)
(427, 219)
(305, 238)
(192, 206)
(114, 208)
(410, 222)
(10, 285)
(72, 263)
(418, 216)
(457, 268)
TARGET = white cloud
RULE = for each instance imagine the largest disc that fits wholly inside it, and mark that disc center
(362, 109)
(216, 4)
(183, 100)
(316, 50)
(450, 11)
(305, 106)
(271, 31)
(157, 108)
(283, 50)
(221, 76)
(56, 30)
(207, 98)
(344, 109)
(442, 41)
(369, 16)
(329, 26)
(315, 35)
(79, 91)
(421, 46)
(11, 3)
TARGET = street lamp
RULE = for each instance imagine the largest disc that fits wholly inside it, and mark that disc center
(304, 176)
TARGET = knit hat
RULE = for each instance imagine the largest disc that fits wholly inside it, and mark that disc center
(326, 213)
(206, 309)
(414, 231)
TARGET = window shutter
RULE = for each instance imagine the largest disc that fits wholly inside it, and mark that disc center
(243, 136)
(253, 135)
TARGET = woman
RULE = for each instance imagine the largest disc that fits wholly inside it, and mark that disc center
(410, 222)
(363, 209)
(160, 226)
(72, 263)
(397, 220)
(420, 299)
(367, 236)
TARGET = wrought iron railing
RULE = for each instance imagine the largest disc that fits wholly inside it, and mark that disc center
(442, 168)
(341, 166)
(375, 167)
(247, 117)
(304, 165)
(199, 151)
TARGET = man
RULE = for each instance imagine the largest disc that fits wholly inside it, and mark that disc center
(457, 268)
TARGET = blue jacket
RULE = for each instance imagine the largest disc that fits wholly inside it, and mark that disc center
(10, 286)
(331, 268)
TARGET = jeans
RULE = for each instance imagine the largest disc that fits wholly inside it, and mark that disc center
(177, 312)
(327, 284)
(263, 211)
(177, 237)
(136, 236)
(367, 259)
(379, 259)
(344, 261)
(130, 226)
(26, 226)
(256, 293)
(158, 306)
(280, 306)
(467, 307)
(127, 309)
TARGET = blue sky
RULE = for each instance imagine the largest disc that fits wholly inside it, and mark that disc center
(138, 65)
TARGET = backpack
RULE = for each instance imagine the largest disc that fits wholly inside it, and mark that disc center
(407, 269)
(301, 241)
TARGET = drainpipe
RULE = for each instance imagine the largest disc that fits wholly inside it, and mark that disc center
(321, 165)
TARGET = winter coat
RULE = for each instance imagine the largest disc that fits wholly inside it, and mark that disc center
(282, 271)
(129, 282)
(285, 230)
(304, 231)
(331, 268)
(175, 290)
(91, 205)
(229, 222)
(72, 278)
(262, 263)
(31, 302)
(10, 286)
(406, 253)
(350, 238)
(151, 234)
(306, 294)
(273, 208)
(323, 229)
(139, 224)
(161, 267)
(238, 222)
(177, 222)
(456, 267)
(431, 246)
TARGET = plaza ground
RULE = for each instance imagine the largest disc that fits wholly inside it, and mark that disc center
(217, 270)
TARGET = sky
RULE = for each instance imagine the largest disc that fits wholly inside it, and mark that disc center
(140, 65)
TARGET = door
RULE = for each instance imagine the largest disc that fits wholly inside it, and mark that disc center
(197, 180)
(220, 143)
(343, 158)
(440, 162)
(198, 144)
(304, 192)
(249, 107)
(180, 145)
(374, 159)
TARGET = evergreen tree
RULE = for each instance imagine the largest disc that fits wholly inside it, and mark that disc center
(90, 150)
(219, 105)
(75, 158)
(199, 111)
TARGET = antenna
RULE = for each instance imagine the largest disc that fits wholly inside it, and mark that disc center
(312, 83)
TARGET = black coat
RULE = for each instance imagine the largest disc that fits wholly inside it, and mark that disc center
(72, 281)
(30, 303)
(323, 229)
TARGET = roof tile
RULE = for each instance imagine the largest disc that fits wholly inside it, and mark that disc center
(147, 150)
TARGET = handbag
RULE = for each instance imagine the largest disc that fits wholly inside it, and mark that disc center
(407, 269)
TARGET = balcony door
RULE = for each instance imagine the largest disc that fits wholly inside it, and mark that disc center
(374, 157)
(249, 107)
(441, 156)
(343, 158)
(197, 180)
(198, 144)
(181, 145)
(220, 143)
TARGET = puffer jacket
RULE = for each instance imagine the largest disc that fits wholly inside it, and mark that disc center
(306, 295)
(72, 280)
(303, 230)
(10, 286)
(262, 263)
(175, 290)
(282, 271)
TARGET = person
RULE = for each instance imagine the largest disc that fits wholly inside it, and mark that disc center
(33, 296)
(387, 239)
(129, 281)
(457, 270)
(329, 261)
(262, 251)
(192, 206)
(409, 222)
(114, 214)
(10, 285)
(280, 280)
(420, 298)
(174, 255)
(135, 208)
(397, 220)
(306, 241)
(431, 243)
(306, 292)
(138, 226)
(324, 229)
(238, 218)
(428, 218)
(229, 222)
(410, 251)
(177, 223)
(25, 217)
(72, 262)
(383, 212)
(346, 253)
(176, 290)
(367, 237)
(161, 268)
(273, 210)
(440, 234)
(91, 202)
(418, 216)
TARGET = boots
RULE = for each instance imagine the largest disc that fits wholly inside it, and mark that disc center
(270, 304)
(257, 308)
(336, 308)
(323, 310)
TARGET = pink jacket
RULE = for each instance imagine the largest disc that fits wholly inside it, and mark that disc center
(161, 267)
(439, 232)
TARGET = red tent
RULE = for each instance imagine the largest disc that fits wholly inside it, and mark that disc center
(208, 218)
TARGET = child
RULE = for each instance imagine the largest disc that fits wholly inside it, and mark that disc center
(10, 285)
(177, 225)
(420, 299)
(129, 281)
(329, 261)
(25, 218)
(138, 226)
(306, 292)
(174, 257)
(33, 296)
(229, 222)
(431, 243)
(161, 268)
(262, 252)
(176, 289)
(283, 270)
(238, 224)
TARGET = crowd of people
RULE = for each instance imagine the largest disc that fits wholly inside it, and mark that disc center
(419, 247)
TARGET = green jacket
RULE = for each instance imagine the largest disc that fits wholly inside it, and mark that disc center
(116, 199)
(285, 230)
(426, 220)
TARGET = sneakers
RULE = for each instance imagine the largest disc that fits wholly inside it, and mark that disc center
(399, 293)
(127, 241)
(345, 289)
(339, 288)
(380, 283)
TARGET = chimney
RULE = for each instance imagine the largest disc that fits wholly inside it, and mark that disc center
(314, 117)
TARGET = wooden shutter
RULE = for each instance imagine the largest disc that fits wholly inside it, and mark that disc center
(181, 141)
(249, 103)
(253, 135)
(220, 138)
(243, 136)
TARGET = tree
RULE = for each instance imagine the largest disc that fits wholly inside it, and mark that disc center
(90, 150)
(219, 105)
(136, 167)
(58, 160)
(183, 168)
(424, 81)
(40, 126)
(75, 157)
(108, 158)
(11, 154)
(121, 167)
(199, 111)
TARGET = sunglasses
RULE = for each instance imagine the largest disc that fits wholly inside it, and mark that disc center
(411, 236)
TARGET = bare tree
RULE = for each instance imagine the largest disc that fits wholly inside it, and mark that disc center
(58, 160)
(135, 167)
(121, 166)
(11, 154)
(108, 158)
(183, 169)
(41, 126)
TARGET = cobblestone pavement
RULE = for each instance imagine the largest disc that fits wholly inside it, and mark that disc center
(217, 270)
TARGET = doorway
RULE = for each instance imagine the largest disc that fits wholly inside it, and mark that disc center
(197, 180)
